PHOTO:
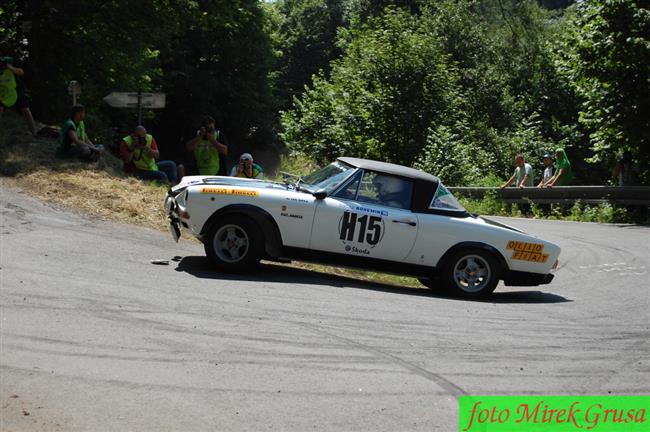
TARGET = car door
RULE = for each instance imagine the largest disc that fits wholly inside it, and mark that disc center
(360, 221)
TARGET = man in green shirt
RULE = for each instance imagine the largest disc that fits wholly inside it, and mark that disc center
(73, 139)
(523, 174)
(207, 146)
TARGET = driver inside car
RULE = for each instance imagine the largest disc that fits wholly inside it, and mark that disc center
(390, 191)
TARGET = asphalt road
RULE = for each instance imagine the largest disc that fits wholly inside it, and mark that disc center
(95, 337)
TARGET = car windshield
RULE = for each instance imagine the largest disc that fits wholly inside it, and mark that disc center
(444, 200)
(327, 178)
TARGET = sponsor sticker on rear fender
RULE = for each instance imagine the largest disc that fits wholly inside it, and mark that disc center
(523, 251)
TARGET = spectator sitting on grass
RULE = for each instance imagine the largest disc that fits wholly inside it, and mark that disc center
(563, 174)
(523, 174)
(73, 140)
(12, 92)
(247, 168)
(140, 151)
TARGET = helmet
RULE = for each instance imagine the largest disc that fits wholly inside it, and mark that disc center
(387, 185)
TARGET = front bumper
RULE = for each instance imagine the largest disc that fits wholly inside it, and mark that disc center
(519, 278)
(172, 217)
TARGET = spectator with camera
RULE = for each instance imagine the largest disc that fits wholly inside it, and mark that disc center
(208, 147)
(12, 91)
(247, 168)
(73, 139)
(139, 151)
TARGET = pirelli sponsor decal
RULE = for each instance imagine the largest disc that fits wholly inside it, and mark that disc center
(229, 191)
(523, 251)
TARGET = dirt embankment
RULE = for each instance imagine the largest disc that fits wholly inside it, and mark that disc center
(99, 189)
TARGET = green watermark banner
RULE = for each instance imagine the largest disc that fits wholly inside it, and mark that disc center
(554, 413)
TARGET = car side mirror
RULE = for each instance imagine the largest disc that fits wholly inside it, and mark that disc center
(320, 194)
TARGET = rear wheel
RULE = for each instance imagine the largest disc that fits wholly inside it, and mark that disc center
(234, 243)
(471, 273)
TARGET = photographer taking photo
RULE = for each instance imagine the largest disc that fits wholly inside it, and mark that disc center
(139, 152)
(207, 146)
(246, 168)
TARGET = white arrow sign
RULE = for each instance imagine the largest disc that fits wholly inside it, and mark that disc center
(130, 100)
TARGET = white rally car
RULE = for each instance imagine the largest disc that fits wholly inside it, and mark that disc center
(358, 213)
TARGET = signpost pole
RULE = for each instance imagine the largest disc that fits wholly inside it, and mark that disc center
(139, 107)
(75, 90)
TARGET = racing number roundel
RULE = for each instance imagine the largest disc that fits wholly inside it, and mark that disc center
(364, 229)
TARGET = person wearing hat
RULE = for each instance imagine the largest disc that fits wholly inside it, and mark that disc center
(547, 159)
(564, 173)
(246, 168)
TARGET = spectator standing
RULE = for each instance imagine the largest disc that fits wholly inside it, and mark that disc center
(247, 168)
(547, 160)
(563, 172)
(141, 150)
(73, 139)
(523, 174)
(207, 146)
(625, 171)
(12, 91)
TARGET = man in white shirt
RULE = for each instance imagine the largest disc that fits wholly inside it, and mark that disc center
(548, 170)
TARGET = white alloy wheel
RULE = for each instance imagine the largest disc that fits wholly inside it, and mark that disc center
(472, 273)
(230, 243)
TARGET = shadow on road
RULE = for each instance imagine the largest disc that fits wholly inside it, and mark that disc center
(199, 266)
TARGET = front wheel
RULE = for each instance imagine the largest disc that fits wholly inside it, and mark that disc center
(471, 273)
(234, 244)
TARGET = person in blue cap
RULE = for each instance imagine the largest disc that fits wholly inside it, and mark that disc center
(547, 160)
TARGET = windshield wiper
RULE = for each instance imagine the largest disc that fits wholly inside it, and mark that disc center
(296, 185)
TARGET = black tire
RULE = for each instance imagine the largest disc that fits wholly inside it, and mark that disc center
(234, 244)
(470, 273)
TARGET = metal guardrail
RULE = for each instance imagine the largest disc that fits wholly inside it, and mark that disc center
(624, 195)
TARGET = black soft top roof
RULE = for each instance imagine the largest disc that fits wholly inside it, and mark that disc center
(389, 168)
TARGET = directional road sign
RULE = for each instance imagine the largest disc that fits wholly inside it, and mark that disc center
(131, 99)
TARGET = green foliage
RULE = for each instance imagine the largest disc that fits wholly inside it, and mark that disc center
(297, 164)
(9, 28)
(217, 62)
(456, 89)
(304, 35)
(382, 97)
(209, 57)
(605, 56)
(579, 212)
